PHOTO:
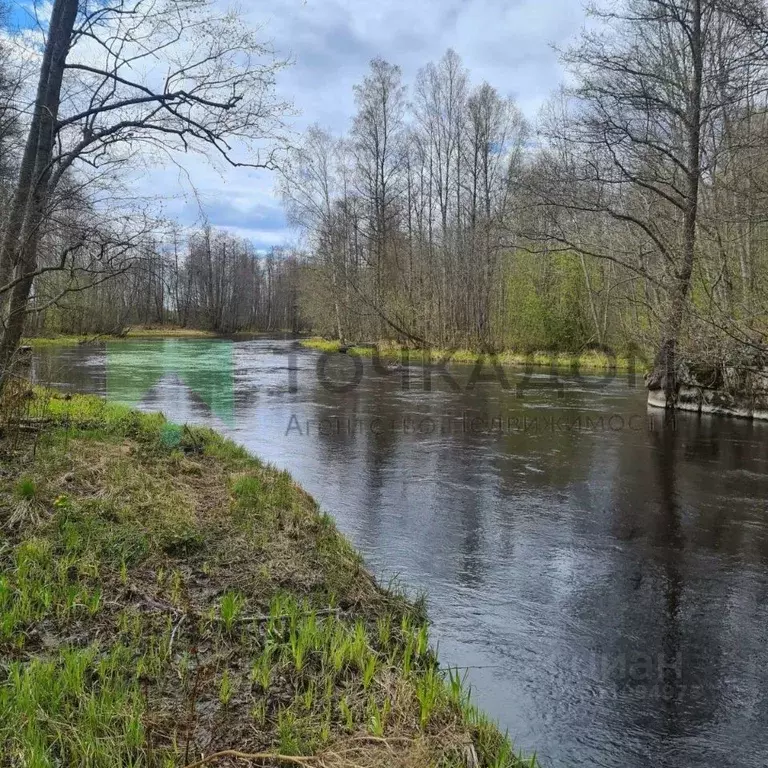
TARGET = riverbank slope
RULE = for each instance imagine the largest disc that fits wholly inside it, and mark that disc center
(168, 600)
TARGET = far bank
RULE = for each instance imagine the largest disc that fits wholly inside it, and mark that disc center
(389, 350)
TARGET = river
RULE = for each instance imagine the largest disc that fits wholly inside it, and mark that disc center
(602, 576)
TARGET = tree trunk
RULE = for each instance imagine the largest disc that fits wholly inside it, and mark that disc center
(591, 297)
(19, 250)
(664, 375)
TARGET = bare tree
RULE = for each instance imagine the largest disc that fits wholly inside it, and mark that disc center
(377, 142)
(310, 189)
(635, 222)
(495, 133)
(124, 76)
(11, 80)
(441, 93)
(634, 147)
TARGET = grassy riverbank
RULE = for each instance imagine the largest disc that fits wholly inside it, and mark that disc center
(168, 600)
(589, 360)
(133, 334)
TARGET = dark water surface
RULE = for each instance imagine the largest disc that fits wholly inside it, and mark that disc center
(604, 579)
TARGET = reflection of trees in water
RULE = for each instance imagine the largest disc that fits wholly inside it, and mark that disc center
(669, 542)
(674, 501)
(667, 587)
(476, 476)
(379, 430)
(352, 456)
(77, 368)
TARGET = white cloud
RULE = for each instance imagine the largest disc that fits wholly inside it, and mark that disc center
(331, 41)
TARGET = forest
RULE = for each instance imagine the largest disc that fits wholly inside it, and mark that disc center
(628, 215)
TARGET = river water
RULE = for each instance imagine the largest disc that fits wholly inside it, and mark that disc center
(602, 576)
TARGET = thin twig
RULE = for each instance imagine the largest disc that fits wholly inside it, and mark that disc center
(175, 630)
(304, 761)
(264, 617)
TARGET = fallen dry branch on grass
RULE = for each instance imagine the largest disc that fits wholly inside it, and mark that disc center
(149, 603)
(255, 756)
(336, 757)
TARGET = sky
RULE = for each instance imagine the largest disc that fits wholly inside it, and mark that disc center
(509, 43)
